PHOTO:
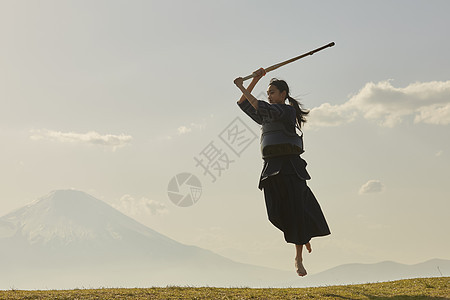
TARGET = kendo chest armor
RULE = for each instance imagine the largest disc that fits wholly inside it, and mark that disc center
(277, 139)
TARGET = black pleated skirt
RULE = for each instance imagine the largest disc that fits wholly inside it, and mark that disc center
(293, 208)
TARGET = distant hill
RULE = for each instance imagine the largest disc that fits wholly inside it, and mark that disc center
(70, 239)
(378, 272)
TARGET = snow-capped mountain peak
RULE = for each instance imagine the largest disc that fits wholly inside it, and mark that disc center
(68, 216)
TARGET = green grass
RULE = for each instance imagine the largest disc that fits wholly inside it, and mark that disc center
(422, 288)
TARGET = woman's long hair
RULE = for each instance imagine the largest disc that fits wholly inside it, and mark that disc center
(300, 113)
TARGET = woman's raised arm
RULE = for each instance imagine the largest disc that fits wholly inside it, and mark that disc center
(246, 92)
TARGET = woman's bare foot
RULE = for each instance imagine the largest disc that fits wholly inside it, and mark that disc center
(308, 247)
(301, 271)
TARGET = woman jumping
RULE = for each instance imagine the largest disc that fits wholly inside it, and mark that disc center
(291, 205)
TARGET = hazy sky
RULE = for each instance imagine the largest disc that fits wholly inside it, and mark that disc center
(115, 98)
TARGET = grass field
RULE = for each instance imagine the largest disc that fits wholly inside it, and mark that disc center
(422, 288)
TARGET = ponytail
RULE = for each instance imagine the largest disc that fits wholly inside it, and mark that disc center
(300, 113)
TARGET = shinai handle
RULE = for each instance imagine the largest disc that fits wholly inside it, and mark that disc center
(276, 66)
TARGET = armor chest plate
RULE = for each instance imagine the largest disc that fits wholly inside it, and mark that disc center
(277, 139)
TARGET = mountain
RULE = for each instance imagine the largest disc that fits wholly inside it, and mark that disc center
(69, 239)
(377, 272)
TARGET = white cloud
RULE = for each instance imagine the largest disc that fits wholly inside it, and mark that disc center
(371, 187)
(185, 129)
(143, 206)
(438, 115)
(327, 115)
(91, 137)
(427, 102)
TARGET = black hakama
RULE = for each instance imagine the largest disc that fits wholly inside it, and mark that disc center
(291, 205)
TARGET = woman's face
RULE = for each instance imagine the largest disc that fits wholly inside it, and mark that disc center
(274, 95)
